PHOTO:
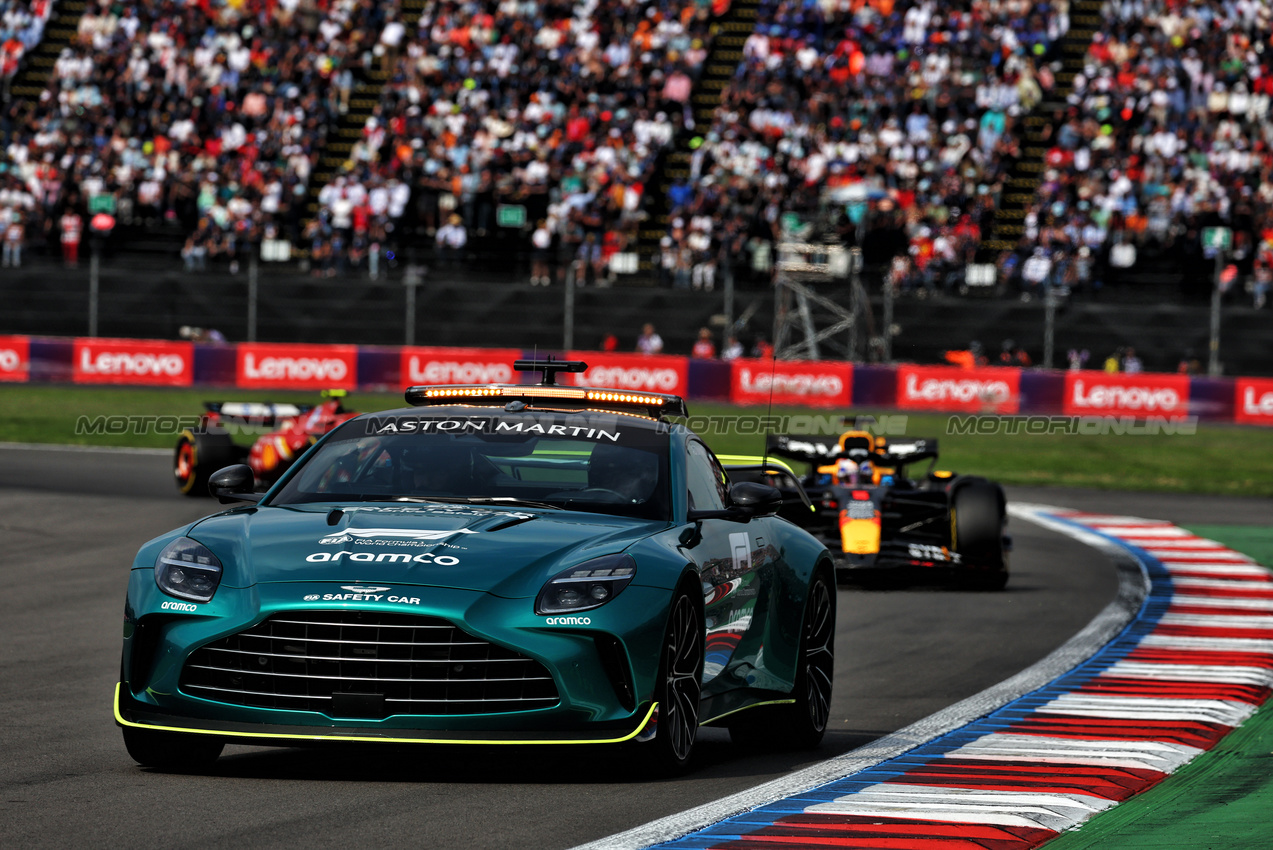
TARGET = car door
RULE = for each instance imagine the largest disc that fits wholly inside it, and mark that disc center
(735, 567)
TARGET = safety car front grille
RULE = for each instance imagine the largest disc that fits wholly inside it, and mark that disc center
(366, 664)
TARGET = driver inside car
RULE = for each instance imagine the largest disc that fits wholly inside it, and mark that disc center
(437, 473)
(631, 473)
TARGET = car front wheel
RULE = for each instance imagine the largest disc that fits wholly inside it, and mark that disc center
(679, 687)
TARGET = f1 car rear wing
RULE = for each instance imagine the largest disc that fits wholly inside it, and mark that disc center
(903, 451)
(799, 447)
(895, 451)
(255, 413)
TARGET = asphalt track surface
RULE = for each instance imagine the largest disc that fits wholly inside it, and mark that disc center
(70, 523)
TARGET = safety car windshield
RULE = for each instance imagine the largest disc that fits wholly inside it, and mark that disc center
(600, 463)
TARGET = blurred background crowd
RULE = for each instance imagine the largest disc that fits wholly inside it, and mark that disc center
(896, 121)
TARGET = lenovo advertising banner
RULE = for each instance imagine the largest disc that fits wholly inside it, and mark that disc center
(427, 365)
(1253, 404)
(284, 366)
(634, 372)
(807, 383)
(1140, 394)
(132, 361)
(15, 358)
(985, 390)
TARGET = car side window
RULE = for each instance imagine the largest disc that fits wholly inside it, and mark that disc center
(704, 479)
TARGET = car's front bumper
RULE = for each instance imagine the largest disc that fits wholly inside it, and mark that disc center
(158, 641)
(131, 712)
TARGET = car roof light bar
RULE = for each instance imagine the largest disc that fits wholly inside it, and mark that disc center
(653, 404)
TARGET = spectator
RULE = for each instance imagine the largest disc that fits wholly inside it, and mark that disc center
(704, 348)
(762, 349)
(72, 227)
(451, 239)
(649, 342)
(542, 240)
(733, 349)
(1131, 363)
(14, 235)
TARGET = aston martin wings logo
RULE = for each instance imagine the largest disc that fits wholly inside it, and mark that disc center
(360, 588)
(355, 534)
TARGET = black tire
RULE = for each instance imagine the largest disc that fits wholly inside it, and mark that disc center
(197, 456)
(679, 687)
(979, 518)
(172, 751)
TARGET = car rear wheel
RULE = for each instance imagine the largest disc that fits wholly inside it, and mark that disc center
(978, 524)
(679, 687)
(172, 751)
(197, 456)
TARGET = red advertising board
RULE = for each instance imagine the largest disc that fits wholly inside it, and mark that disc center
(428, 365)
(15, 358)
(986, 390)
(284, 366)
(132, 361)
(808, 383)
(652, 373)
(1118, 393)
(1253, 403)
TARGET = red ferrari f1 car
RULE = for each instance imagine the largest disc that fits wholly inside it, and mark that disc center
(202, 451)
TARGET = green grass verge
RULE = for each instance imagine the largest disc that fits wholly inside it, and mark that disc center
(1217, 459)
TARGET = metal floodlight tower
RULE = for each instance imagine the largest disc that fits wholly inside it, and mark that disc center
(800, 265)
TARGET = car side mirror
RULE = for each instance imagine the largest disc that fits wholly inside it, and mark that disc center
(234, 484)
(754, 499)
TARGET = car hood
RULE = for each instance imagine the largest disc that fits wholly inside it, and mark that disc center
(510, 553)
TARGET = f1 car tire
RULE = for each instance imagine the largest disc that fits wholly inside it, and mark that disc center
(197, 456)
(801, 725)
(678, 688)
(978, 520)
(172, 751)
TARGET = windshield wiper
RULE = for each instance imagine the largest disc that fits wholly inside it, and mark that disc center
(511, 501)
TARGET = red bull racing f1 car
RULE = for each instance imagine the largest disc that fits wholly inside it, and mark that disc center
(876, 519)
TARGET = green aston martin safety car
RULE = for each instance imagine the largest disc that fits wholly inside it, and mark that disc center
(527, 564)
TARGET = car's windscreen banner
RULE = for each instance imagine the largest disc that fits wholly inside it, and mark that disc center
(423, 365)
(132, 361)
(15, 358)
(985, 390)
(1254, 401)
(633, 372)
(297, 367)
(808, 383)
(1139, 394)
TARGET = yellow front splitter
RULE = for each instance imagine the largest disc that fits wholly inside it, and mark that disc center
(372, 739)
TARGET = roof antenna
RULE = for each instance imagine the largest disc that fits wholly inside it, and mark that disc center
(773, 371)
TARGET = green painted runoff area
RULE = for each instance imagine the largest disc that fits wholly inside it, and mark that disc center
(1222, 800)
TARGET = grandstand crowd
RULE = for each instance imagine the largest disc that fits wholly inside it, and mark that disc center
(896, 120)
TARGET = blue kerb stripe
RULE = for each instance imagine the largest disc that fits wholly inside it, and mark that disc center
(1146, 620)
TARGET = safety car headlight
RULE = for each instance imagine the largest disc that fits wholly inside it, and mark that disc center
(589, 585)
(187, 570)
